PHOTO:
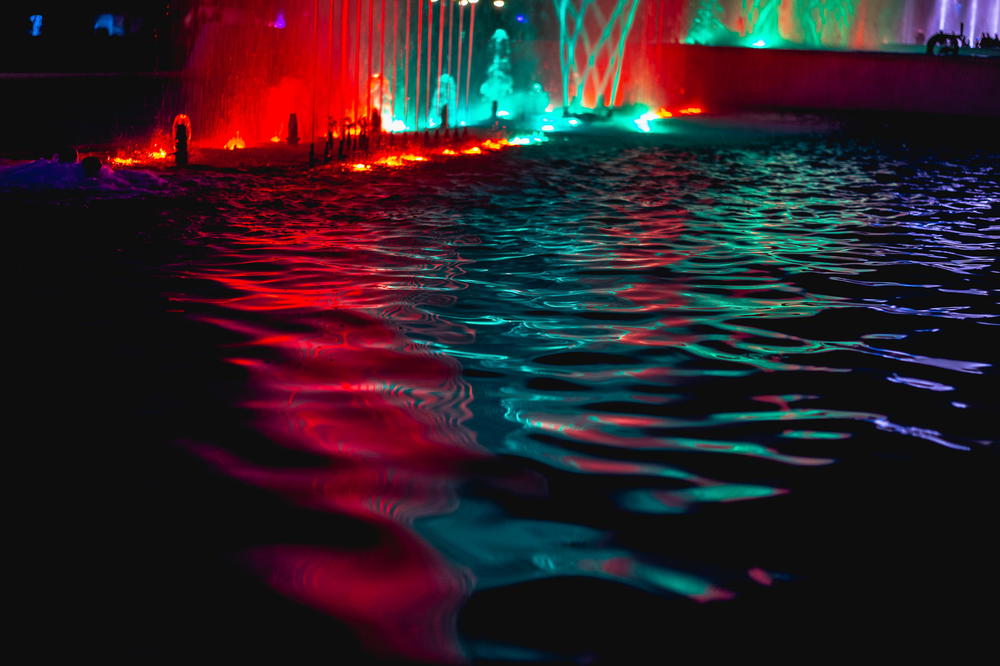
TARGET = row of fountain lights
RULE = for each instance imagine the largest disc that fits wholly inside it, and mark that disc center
(453, 144)
(182, 127)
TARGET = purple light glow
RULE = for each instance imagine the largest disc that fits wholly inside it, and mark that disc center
(279, 22)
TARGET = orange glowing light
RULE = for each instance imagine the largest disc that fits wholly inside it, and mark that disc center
(158, 154)
(123, 161)
(399, 160)
(236, 143)
(691, 111)
(275, 139)
(406, 159)
(663, 113)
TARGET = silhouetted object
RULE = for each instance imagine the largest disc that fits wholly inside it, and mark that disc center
(444, 116)
(988, 42)
(181, 140)
(328, 148)
(495, 109)
(343, 146)
(67, 155)
(944, 44)
(375, 128)
(465, 134)
(293, 130)
(362, 141)
(91, 166)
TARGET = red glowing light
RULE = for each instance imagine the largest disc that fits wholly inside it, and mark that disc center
(760, 576)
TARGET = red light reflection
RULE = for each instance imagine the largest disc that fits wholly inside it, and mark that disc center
(336, 374)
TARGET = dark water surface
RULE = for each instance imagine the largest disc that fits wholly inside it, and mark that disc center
(599, 401)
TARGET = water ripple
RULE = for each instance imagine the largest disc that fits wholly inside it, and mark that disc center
(662, 329)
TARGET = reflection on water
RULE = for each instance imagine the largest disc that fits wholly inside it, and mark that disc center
(523, 369)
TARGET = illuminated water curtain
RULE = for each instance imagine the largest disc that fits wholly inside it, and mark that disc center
(593, 35)
(973, 18)
(340, 65)
(862, 24)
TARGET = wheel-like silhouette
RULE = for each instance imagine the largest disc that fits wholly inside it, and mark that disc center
(943, 44)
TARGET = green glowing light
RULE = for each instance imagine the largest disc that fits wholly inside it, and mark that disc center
(784, 23)
(602, 54)
(814, 434)
(728, 493)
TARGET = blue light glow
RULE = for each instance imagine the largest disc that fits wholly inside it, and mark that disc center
(114, 25)
(36, 25)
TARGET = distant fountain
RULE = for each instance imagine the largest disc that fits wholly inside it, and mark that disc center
(381, 99)
(593, 35)
(969, 17)
(810, 23)
(858, 24)
(334, 63)
(337, 64)
(499, 84)
(446, 95)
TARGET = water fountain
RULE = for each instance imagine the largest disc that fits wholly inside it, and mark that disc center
(592, 39)
(856, 24)
(445, 100)
(331, 62)
(972, 18)
(498, 85)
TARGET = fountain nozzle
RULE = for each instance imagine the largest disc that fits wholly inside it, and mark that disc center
(182, 140)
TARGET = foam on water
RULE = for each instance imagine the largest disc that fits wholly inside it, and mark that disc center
(52, 174)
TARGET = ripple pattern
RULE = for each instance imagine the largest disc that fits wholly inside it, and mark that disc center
(517, 368)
